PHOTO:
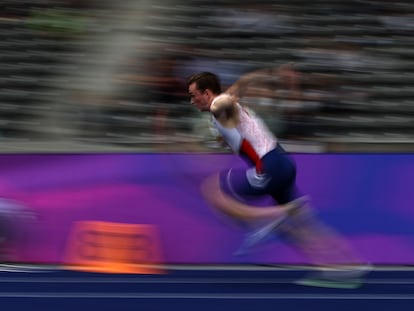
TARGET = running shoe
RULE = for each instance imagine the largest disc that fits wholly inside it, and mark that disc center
(347, 278)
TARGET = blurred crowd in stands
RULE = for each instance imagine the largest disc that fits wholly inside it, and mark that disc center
(114, 73)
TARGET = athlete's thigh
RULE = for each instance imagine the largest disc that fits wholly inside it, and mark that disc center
(235, 182)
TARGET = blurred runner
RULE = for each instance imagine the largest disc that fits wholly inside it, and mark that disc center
(271, 172)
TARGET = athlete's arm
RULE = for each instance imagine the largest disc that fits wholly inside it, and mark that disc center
(258, 76)
(224, 110)
(222, 103)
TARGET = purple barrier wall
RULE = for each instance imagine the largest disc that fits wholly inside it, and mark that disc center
(369, 198)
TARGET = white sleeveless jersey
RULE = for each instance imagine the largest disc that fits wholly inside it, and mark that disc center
(250, 128)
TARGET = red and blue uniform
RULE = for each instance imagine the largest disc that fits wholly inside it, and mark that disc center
(272, 171)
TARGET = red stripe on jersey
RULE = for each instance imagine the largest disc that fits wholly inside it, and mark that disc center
(247, 149)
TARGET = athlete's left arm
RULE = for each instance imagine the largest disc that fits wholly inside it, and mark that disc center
(258, 76)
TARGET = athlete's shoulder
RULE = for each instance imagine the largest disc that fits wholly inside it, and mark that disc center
(222, 102)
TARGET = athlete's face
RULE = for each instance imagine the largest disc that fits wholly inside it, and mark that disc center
(200, 99)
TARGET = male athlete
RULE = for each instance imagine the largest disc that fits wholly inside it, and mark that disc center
(271, 173)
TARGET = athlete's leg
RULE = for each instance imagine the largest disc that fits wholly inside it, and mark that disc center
(226, 192)
(226, 204)
(321, 244)
(337, 263)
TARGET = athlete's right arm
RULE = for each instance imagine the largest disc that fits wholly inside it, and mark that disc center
(222, 103)
(223, 108)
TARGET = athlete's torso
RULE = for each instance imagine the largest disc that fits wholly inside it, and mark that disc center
(251, 129)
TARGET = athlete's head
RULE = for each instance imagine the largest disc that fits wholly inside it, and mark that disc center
(203, 87)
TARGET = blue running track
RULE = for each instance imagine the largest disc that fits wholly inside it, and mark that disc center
(200, 288)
